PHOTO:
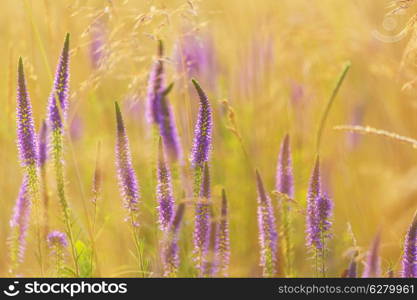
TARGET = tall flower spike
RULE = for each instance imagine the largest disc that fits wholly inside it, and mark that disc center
(27, 140)
(223, 241)
(58, 99)
(284, 177)
(324, 211)
(409, 262)
(285, 186)
(314, 191)
(170, 253)
(19, 224)
(167, 127)
(159, 109)
(268, 236)
(28, 152)
(373, 261)
(156, 85)
(203, 130)
(202, 219)
(127, 177)
(164, 191)
(57, 114)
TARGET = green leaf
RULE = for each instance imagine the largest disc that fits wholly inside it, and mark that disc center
(84, 256)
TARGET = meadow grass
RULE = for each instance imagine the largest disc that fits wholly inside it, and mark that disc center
(225, 83)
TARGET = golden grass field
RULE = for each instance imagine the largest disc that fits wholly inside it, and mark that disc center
(276, 64)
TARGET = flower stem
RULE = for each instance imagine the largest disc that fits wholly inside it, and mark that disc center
(33, 183)
(138, 247)
(60, 181)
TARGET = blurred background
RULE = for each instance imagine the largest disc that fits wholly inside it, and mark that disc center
(273, 63)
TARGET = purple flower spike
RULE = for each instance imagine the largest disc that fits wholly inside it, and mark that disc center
(352, 271)
(223, 240)
(314, 191)
(20, 223)
(205, 190)
(202, 219)
(210, 263)
(373, 262)
(268, 236)
(195, 57)
(58, 99)
(156, 88)
(43, 134)
(285, 187)
(203, 130)
(284, 177)
(127, 178)
(170, 253)
(324, 211)
(159, 109)
(27, 140)
(168, 129)
(164, 191)
(57, 239)
(409, 263)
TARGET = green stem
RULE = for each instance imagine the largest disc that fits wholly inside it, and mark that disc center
(45, 201)
(323, 255)
(60, 181)
(93, 236)
(330, 103)
(137, 245)
(286, 220)
(33, 183)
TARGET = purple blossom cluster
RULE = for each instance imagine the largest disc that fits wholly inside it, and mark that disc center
(268, 236)
(312, 230)
(127, 177)
(223, 239)
(26, 136)
(284, 176)
(170, 252)
(57, 239)
(202, 219)
(156, 86)
(203, 130)
(58, 99)
(164, 191)
(409, 262)
(159, 109)
(19, 222)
